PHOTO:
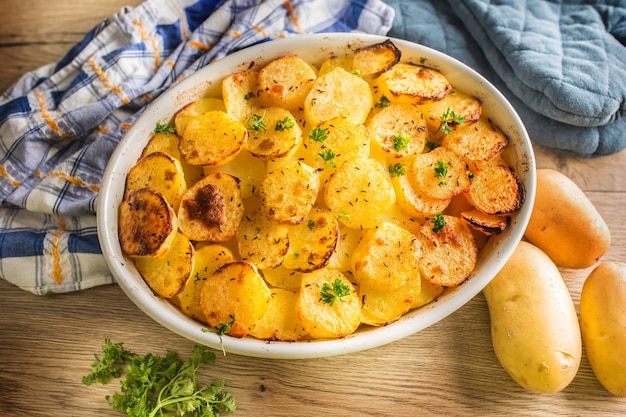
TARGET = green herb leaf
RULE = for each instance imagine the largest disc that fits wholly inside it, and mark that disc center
(328, 156)
(384, 102)
(397, 170)
(441, 171)
(336, 292)
(256, 123)
(310, 224)
(400, 142)
(286, 124)
(438, 222)
(447, 118)
(249, 95)
(164, 128)
(319, 134)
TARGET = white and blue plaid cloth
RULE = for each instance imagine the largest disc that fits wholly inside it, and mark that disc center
(60, 123)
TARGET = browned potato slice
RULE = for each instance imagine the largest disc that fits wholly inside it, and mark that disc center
(166, 276)
(485, 223)
(496, 189)
(282, 277)
(399, 129)
(440, 173)
(338, 93)
(235, 297)
(346, 243)
(245, 167)
(450, 251)
(428, 292)
(387, 257)
(312, 242)
(168, 143)
(262, 242)
(412, 199)
(211, 209)
(454, 107)
(331, 63)
(289, 192)
(359, 192)
(147, 224)
(374, 59)
(161, 172)
(208, 259)
(383, 307)
(480, 141)
(196, 108)
(413, 84)
(212, 139)
(240, 92)
(285, 82)
(328, 306)
(272, 133)
(279, 321)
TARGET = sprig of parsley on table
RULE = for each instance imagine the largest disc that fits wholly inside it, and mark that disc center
(160, 386)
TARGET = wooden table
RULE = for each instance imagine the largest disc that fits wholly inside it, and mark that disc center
(47, 344)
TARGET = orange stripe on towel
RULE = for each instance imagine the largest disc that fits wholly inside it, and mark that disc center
(261, 30)
(57, 270)
(52, 124)
(74, 181)
(4, 174)
(105, 80)
(200, 45)
(294, 17)
(145, 37)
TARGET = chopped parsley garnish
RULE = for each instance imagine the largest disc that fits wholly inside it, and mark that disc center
(221, 329)
(343, 215)
(448, 118)
(397, 170)
(441, 171)
(438, 222)
(286, 124)
(164, 128)
(248, 95)
(335, 292)
(328, 156)
(256, 123)
(400, 142)
(384, 102)
(319, 134)
(310, 224)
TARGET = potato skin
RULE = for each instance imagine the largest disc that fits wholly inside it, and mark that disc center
(565, 224)
(534, 326)
(603, 324)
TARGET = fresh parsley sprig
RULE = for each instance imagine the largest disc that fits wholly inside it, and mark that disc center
(335, 292)
(447, 118)
(163, 128)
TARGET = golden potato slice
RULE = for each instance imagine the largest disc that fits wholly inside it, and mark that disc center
(413, 84)
(245, 167)
(480, 141)
(347, 241)
(196, 108)
(282, 277)
(440, 173)
(235, 298)
(262, 242)
(338, 93)
(167, 276)
(147, 224)
(208, 259)
(285, 82)
(289, 192)
(359, 192)
(168, 143)
(383, 307)
(495, 189)
(211, 209)
(312, 242)
(454, 110)
(412, 199)
(328, 306)
(212, 139)
(374, 59)
(450, 251)
(161, 172)
(387, 257)
(399, 129)
(331, 63)
(273, 133)
(240, 92)
(485, 223)
(279, 321)
(428, 292)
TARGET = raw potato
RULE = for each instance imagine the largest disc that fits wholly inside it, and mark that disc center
(534, 327)
(603, 324)
(565, 224)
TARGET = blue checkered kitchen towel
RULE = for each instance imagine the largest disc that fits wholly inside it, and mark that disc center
(60, 124)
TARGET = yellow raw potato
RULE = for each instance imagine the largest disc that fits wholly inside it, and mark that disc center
(247, 168)
(383, 307)
(480, 141)
(235, 296)
(413, 84)
(168, 143)
(332, 319)
(412, 199)
(338, 93)
(437, 112)
(289, 192)
(360, 192)
(212, 208)
(603, 324)
(534, 327)
(279, 321)
(399, 129)
(377, 58)
(240, 91)
(272, 133)
(161, 172)
(440, 174)
(262, 242)
(147, 224)
(212, 139)
(196, 108)
(496, 189)
(565, 224)
(167, 276)
(285, 82)
(387, 257)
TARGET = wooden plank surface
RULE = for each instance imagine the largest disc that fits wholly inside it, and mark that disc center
(47, 344)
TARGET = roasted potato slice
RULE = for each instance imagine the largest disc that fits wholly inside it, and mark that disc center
(282, 277)
(428, 292)
(480, 141)
(212, 208)
(247, 168)
(399, 129)
(454, 110)
(338, 93)
(285, 82)
(289, 192)
(383, 307)
(440, 173)
(240, 92)
(196, 108)
(412, 199)
(347, 241)
(161, 172)
(167, 276)
(279, 321)
(328, 306)
(312, 242)
(450, 250)
(212, 139)
(168, 143)
(374, 59)
(496, 189)
(331, 63)
(485, 223)
(273, 133)
(147, 224)
(261, 241)
(359, 192)
(387, 257)
(235, 297)
(208, 259)
(414, 84)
